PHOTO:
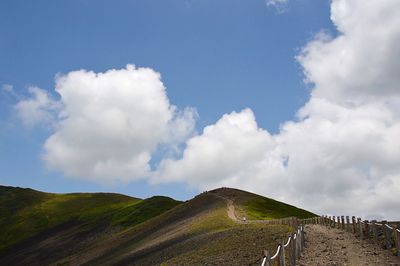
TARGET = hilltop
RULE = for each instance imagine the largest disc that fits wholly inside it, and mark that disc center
(113, 229)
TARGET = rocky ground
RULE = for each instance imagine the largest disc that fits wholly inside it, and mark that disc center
(331, 246)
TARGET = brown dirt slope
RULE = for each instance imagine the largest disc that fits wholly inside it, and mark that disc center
(331, 246)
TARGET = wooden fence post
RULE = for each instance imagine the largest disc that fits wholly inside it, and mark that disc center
(353, 220)
(297, 249)
(374, 231)
(386, 233)
(360, 228)
(282, 254)
(338, 221)
(367, 231)
(302, 238)
(292, 251)
(266, 259)
(348, 224)
(343, 224)
(396, 232)
(333, 222)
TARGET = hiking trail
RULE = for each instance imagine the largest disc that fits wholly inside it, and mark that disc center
(331, 246)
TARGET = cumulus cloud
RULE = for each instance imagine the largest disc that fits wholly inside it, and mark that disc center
(221, 154)
(342, 154)
(362, 63)
(39, 108)
(107, 125)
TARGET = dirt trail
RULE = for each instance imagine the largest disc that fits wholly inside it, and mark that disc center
(231, 211)
(331, 246)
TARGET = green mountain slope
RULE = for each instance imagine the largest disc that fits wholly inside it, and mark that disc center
(25, 212)
(112, 229)
(256, 207)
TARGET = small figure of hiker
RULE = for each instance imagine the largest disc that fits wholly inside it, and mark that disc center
(244, 219)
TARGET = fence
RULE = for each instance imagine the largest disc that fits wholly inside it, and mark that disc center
(294, 245)
(384, 233)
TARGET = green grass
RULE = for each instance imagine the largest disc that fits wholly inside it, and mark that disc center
(197, 231)
(265, 208)
(26, 212)
(142, 211)
(214, 221)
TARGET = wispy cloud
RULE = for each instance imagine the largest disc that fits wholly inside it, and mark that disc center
(280, 5)
(38, 108)
(7, 88)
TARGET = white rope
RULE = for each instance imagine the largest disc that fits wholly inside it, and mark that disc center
(287, 244)
(388, 226)
(295, 235)
(264, 260)
(378, 224)
(398, 230)
(277, 252)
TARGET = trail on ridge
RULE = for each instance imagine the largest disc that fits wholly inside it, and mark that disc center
(331, 246)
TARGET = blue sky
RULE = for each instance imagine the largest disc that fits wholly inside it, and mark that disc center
(217, 56)
(292, 99)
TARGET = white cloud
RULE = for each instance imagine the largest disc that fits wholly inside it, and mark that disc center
(362, 63)
(223, 151)
(342, 155)
(279, 5)
(7, 88)
(111, 122)
(39, 108)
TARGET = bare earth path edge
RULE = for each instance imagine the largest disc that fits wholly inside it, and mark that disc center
(331, 246)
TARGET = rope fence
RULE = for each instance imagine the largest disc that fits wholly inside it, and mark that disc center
(384, 233)
(293, 246)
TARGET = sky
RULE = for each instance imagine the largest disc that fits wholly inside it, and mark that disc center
(296, 100)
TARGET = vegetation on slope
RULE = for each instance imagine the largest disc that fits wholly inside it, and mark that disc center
(26, 212)
(114, 229)
(198, 231)
(265, 208)
(143, 210)
(239, 245)
(256, 207)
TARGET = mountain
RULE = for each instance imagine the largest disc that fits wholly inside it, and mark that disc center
(113, 229)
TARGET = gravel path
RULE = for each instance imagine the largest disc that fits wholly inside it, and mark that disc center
(331, 246)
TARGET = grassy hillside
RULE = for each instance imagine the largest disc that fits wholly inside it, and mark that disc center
(25, 212)
(256, 207)
(112, 229)
(196, 232)
(265, 208)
